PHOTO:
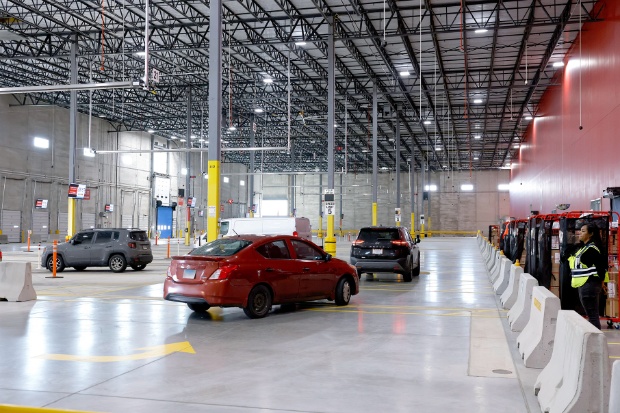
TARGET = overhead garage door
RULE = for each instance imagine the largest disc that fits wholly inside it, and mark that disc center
(63, 223)
(127, 221)
(41, 224)
(88, 220)
(11, 225)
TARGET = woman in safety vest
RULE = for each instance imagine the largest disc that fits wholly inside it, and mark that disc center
(589, 271)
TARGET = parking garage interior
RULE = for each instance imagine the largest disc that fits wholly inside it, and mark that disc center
(444, 117)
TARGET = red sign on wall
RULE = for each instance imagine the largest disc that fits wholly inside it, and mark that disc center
(230, 201)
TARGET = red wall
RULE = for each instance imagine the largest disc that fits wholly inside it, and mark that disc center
(558, 163)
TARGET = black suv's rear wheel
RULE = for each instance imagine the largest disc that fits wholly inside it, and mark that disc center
(117, 263)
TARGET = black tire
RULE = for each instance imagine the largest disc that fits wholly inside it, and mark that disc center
(259, 302)
(199, 308)
(117, 263)
(416, 270)
(343, 291)
(359, 275)
(80, 268)
(60, 264)
(139, 267)
(408, 276)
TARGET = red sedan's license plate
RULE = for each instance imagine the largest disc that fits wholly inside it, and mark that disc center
(189, 273)
(377, 250)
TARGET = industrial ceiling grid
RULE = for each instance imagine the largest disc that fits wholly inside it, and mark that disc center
(476, 73)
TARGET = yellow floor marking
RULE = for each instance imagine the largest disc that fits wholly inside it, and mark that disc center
(464, 313)
(149, 352)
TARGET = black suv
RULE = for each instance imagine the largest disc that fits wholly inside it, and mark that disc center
(113, 247)
(386, 249)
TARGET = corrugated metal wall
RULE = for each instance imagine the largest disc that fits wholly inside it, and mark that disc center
(560, 163)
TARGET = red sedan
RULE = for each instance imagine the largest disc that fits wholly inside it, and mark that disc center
(255, 271)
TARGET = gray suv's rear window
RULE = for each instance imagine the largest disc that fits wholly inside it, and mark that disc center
(138, 236)
(106, 236)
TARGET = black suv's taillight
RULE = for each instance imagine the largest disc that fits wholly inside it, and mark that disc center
(132, 245)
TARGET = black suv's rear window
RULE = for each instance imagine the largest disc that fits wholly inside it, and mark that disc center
(378, 234)
(138, 236)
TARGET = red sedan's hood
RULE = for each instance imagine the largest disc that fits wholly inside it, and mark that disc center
(192, 269)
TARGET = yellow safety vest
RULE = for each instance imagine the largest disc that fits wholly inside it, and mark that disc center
(579, 271)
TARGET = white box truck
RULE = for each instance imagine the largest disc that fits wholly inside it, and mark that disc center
(230, 227)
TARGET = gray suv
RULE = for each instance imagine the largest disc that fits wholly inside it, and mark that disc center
(113, 247)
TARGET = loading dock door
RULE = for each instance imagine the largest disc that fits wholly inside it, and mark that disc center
(11, 225)
(41, 224)
(88, 220)
(164, 221)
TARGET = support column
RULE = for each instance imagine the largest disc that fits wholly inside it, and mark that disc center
(320, 230)
(424, 191)
(413, 188)
(375, 183)
(330, 241)
(188, 161)
(215, 118)
(251, 175)
(72, 213)
(397, 214)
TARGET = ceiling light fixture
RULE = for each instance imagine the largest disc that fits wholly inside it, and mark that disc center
(479, 31)
(300, 43)
(258, 110)
(150, 131)
(477, 136)
(477, 101)
(404, 73)
(528, 117)
(232, 128)
(558, 64)
(268, 80)
(427, 122)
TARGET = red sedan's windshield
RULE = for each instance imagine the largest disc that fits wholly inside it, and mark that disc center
(221, 248)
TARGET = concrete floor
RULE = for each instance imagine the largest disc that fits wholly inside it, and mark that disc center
(106, 342)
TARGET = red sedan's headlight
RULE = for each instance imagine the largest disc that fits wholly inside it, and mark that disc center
(223, 272)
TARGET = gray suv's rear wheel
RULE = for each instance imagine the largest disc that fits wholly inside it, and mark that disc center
(117, 263)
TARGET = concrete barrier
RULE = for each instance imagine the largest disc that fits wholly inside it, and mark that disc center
(535, 342)
(16, 282)
(509, 298)
(494, 273)
(577, 378)
(501, 282)
(614, 397)
(494, 264)
(519, 314)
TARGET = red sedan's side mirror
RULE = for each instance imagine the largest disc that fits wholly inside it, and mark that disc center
(328, 257)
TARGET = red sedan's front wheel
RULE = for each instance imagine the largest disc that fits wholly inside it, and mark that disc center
(343, 291)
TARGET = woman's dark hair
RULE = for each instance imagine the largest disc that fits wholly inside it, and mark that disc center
(595, 234)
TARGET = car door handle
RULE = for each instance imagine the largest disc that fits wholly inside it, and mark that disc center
(270, 269)
(306, 269)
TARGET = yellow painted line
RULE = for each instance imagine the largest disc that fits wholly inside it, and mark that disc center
(462, 314)
(9, 408)
(426, 291)
(614, 343)
(149, 352)
(614, 357)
